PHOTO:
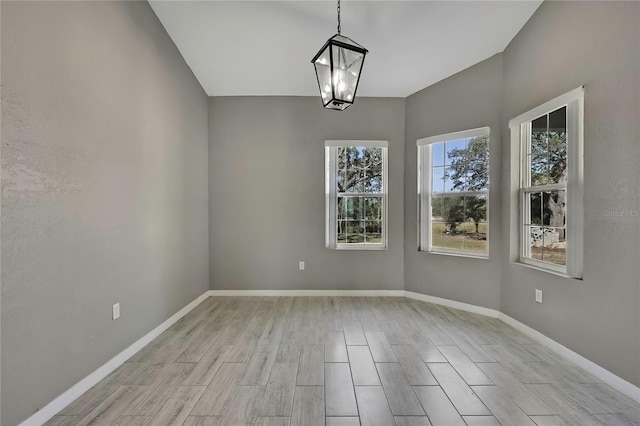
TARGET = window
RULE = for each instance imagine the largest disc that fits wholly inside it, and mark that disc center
(453, 190)
(356, 194)
(550, 184)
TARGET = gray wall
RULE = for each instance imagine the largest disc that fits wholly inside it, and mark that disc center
(0, 214)
(467, 100)
(565, 45)
(104, 190)
(266, 186)
(104, 187)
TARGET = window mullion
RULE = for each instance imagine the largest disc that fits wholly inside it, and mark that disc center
(546, 188)
(360, 194)
(460, 193)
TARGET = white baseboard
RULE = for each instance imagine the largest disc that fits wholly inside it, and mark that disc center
(55, 406)
(616, 382)
(453, 304)
(326, 293)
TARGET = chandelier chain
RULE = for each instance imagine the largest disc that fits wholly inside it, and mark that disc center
(338, 16)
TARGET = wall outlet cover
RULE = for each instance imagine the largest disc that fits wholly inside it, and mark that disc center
(538, 296)
(115, 312)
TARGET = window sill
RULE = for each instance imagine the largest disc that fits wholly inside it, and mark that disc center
(543, 269)
(362, 247)
(461, 254)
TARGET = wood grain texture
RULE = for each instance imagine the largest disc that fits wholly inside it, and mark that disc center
(363, 368)
(335, 349)
(481, 421)
(412, 421)
(524, 398)
(156, 394)
(343, 421)
(353, 333)
(311, 367)
(345, 361)
(502, 408)
(207, 367)
(259, 367)
(466, 368)
(220, 389)
(273, 421)
(134, 421)
(402, 399)
(242, 408)
(112, 407)
(203, 421)
(177, 408)
(63, 421)
(413, 366)
(460, 394)
(373, 406)
(278, 396)
(380, 347)
(308, 406)
(340, 401)
(438, 407)
(565, 404)
(548, 420)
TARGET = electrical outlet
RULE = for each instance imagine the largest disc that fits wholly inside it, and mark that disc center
(301, 265)
(538, 296)
(116, 311)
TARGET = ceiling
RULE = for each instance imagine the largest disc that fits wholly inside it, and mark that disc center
(238, 48)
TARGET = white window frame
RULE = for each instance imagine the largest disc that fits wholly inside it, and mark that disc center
(425, 191)
(520, 140)
(331, 194)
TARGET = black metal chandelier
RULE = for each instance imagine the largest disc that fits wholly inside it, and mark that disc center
(338, 65)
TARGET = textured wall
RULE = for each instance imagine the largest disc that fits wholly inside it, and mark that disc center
(266, 186)
(467, 100)
(563, 46)
(104, 190)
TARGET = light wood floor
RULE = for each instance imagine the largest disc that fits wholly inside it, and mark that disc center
(345, 361)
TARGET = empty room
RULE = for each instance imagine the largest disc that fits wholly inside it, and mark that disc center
(320, 213)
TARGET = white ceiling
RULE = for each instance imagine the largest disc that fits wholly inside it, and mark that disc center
(265, 47)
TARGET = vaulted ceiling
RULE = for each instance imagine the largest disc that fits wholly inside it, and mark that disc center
(265, 47)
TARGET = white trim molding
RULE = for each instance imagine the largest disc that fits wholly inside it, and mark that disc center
(480, 310)
(71, 394)
(326, 293)
(471, 133)
(554, 103)
(368, 144)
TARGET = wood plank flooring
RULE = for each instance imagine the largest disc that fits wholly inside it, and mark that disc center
(331, 361)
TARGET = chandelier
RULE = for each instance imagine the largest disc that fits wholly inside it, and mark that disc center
(338, 65)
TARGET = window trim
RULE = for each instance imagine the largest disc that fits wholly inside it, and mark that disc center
(424, 198)
(520, 134)
(331, 195)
